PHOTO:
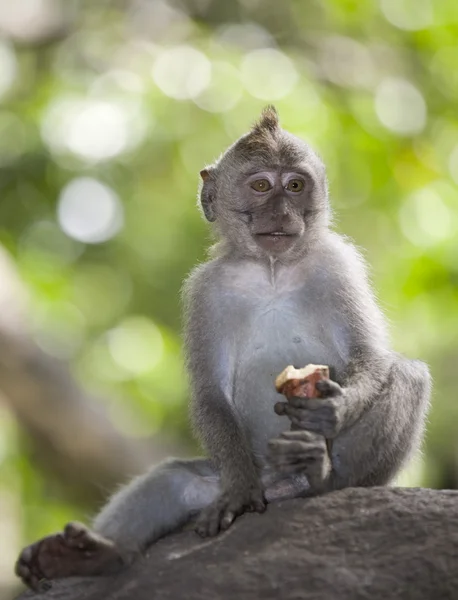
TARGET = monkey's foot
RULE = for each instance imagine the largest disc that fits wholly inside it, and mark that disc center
(301, 452)
(77, 551)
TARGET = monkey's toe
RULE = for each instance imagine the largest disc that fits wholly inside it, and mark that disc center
(76, 552)
(80, 537)
(28, 567)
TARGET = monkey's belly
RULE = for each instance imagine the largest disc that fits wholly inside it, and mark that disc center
(254, 393)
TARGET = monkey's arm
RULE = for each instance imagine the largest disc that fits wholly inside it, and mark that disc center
(228, 448)
(210, 362)
(372, 449)
(377, 415)
(358, 328)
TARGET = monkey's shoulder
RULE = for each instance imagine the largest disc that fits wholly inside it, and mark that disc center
(221, 273)
(338, 256)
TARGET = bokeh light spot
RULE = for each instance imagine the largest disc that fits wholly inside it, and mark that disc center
(410, 15)
(93, 129)
(48, 240)
(224, 91)
(12, 128)
(8, 67)
(182, 72)
(400, 107)
(98, 131)
(247, 36)
(89, 211)
(59, 328)
(31, 20)
(346, 62)
(93, 284)
(268, 74)
(453, 164)
(425, 219)
(136, 345)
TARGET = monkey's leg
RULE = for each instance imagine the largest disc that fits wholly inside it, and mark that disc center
(149, 507)
(374, 449)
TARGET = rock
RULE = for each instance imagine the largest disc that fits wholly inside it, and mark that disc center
(358, 543)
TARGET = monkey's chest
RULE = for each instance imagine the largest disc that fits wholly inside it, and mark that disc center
(273, 339)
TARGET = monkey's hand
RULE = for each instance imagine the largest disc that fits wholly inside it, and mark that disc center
(301, 452)
(324, 415)
(218, 516)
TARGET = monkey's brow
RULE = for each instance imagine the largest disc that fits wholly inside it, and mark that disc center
(258, 168)
(293, 169)
(299, 170)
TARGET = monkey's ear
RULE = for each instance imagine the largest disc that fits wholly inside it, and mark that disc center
(207, 194)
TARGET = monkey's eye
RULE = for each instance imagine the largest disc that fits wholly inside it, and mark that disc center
(261, 185)
(295, 185)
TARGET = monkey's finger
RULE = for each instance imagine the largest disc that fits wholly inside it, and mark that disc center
(316, 426)
(280, 462)
(286, 445)
(227, 520)
(288, 469)
(315, 446)
(314, 404)
(313, 426)
(301, 435)
(328, 388)
(326, 410)
(259, 506)
(209, 520)
(279, 408)
(297, 448)
(302, 459)
(213, 527)
(300, 466)
(299, 459)
(300, 414)
(297, 402)
(256, 505)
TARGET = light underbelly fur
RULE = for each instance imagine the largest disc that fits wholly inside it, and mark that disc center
(274, 340)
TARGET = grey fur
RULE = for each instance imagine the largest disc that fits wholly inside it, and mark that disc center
(248, 314)
(261, 303)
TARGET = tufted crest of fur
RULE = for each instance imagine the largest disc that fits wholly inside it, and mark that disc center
(268, 122)
(262, 139)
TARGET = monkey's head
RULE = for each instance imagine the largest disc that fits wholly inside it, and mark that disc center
(267, 194)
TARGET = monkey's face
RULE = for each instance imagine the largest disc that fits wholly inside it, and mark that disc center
(273, 205)
(271, 199)
(267, 194)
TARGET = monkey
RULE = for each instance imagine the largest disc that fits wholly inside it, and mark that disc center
(280, 287)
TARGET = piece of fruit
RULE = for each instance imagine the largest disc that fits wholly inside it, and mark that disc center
(301, 382)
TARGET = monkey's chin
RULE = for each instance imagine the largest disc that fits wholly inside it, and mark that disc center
(275, 244)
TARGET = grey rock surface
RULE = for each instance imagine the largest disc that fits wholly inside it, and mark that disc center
(371, 544)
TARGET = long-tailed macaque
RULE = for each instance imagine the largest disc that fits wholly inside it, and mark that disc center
(280, 288)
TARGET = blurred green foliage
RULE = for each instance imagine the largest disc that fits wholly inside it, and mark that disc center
(108, 114)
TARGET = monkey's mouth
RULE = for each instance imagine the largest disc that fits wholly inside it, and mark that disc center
(276, 234)
(275, 241)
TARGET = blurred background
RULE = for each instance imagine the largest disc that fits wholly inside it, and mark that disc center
(108, 110)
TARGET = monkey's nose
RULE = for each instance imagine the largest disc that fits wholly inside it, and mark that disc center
(280, 208)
